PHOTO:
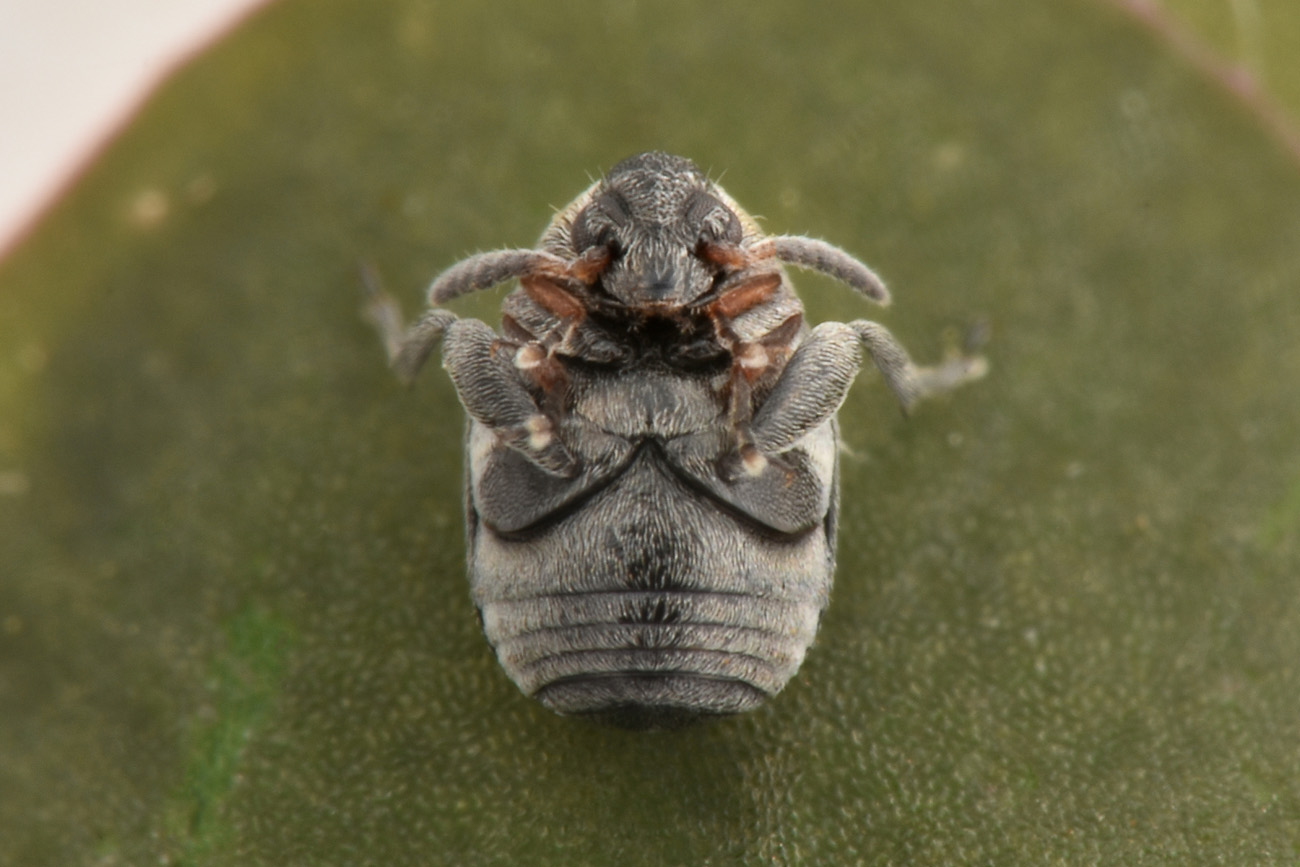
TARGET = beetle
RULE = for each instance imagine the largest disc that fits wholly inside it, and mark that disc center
(652, 486)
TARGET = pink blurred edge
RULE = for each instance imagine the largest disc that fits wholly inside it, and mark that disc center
(30, 219)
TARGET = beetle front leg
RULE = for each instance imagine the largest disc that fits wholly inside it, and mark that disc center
(817, 378)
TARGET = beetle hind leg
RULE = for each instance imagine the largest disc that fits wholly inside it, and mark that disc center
(910, 382)
(408, 348)
(819, 374)
(492, 387)
(487, 372)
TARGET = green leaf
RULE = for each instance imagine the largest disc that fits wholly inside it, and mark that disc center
(234, 624)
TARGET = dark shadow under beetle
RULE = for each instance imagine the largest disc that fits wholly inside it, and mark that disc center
(653, 480)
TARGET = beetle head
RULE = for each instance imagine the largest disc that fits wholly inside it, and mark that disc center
(655, 214)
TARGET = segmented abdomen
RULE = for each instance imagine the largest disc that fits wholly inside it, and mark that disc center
(653, 653)
(649, 605)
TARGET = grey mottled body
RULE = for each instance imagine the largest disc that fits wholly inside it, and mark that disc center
(652, 478)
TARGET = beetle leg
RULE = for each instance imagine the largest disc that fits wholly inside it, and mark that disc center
(487, 380)
(810, 388)
(909, 382)
(745, 295)
(536, 361)
(408, 348)
(752, 360)
(816, 381)
(537, 358)
(494, 392)
(749, 358)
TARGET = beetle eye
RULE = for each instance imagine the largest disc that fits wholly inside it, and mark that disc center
(593, 231)
(583, 234)
(597, 225)
(722, 225)
(716, 221)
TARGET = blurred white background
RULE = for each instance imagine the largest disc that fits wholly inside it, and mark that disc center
(71, 74)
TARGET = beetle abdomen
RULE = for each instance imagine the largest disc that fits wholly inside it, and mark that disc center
(650, 605)
(651, 652)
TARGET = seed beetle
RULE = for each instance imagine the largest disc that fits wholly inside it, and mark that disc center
(652, 486)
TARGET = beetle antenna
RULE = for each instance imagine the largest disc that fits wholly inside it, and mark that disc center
(485, 270)
(820, 256)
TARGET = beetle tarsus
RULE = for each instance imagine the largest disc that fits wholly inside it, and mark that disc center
(909, 382)
(407, 348)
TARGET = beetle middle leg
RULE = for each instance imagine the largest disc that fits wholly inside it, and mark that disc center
(536, 356)
(752, 360)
